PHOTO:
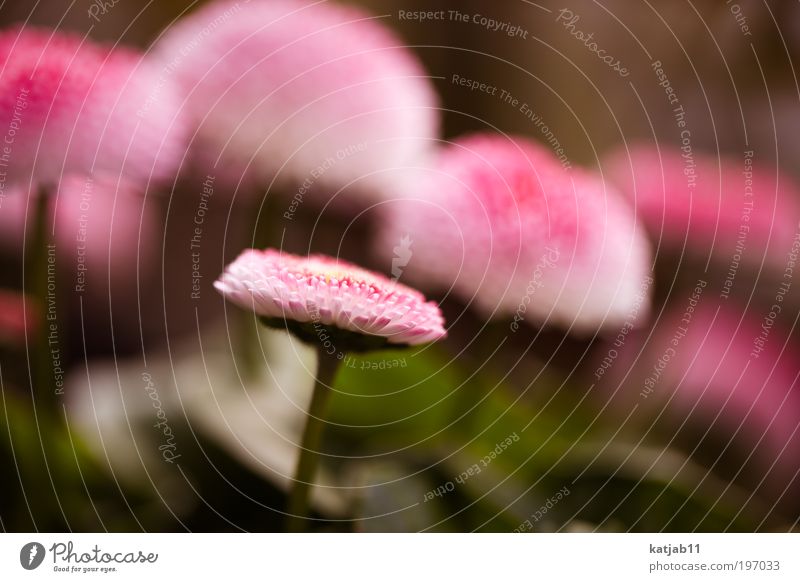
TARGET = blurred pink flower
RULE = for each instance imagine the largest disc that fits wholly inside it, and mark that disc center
(316, 94)
(325, 293)
(730, 209)
(16, 317)
(68, 106)
(717, 370)
(96, 226)
(503, 223)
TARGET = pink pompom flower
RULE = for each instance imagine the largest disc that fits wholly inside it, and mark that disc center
(337, 307)
(316, 94)
(723, 208)
(502, 224)
(69, 106)
(311, 296)
(17, 318)
(728, 375)
(103, 231)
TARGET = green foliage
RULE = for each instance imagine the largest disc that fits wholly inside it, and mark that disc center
(433, 420)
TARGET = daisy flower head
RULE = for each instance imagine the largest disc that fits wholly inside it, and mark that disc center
(319, 298)
(101, 225)
(17, 318)
(503, 224)
(718, 207)
(716, 370)
(70, 106)
(308, 93)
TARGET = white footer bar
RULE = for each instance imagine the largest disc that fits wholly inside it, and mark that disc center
(401, 557)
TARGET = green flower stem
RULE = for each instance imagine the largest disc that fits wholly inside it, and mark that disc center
(49, 477)
(35, 281)
(299, 497)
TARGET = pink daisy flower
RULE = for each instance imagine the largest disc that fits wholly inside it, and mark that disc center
(313, 93)
(725, 208)
(321, 299)
(103, 230)
(70, 106)
(506, 227)
(718, 370)
(337, 307)
(17, 318)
